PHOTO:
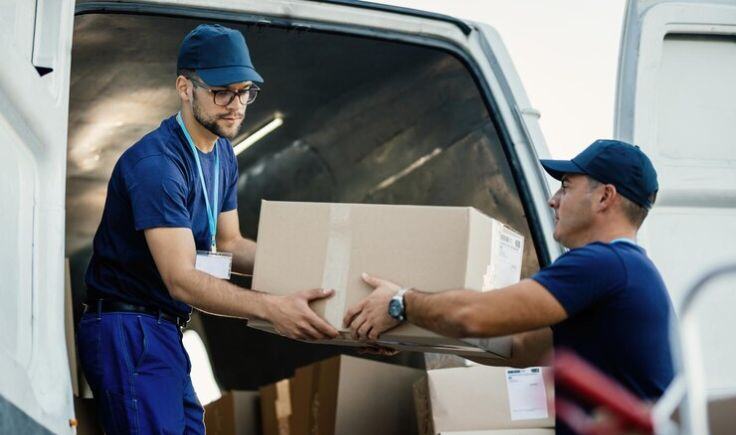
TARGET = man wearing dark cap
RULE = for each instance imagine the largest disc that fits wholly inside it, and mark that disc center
(604, 298)
(169, 236)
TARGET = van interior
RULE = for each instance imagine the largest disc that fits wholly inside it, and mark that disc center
(364, 120)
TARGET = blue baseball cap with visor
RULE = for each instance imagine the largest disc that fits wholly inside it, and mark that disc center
(218, 54)
(612, 162)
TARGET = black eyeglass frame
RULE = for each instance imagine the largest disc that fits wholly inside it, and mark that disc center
(251, 92)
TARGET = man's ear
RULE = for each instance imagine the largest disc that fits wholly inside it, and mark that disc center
(608, 195)
(182, 87)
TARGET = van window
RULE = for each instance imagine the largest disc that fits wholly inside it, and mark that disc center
(692, 122)
(361, 120)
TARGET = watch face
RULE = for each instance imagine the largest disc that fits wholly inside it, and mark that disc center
(394, 308)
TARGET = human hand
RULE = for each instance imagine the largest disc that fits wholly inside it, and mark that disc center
(369, 318)
(293, 318)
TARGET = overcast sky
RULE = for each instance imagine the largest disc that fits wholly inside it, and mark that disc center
(566, 52)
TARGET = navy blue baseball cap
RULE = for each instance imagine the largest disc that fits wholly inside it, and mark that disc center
(612, 162)
(218, 54)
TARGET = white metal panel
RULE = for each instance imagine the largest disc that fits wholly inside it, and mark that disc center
(34, 374)
(695, 115)
(17, 191)
(17, 18)
(676, 100)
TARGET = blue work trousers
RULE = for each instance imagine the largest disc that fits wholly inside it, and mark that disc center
(138, 370)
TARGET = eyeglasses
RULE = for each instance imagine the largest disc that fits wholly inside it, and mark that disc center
(223, 97)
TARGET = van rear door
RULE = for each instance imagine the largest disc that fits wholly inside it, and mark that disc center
(35, 388)
(675, 99)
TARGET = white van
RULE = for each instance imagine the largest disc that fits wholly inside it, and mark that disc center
(373, 104)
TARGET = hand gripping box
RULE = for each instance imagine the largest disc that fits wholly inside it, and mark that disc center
(321, 245)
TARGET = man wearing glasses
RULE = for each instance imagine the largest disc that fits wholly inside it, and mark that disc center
(169, 233)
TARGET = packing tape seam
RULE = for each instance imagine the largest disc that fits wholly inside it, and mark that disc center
(283, 399)
(337, 262)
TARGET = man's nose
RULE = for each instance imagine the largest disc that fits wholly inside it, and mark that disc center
(552, 201)
(236, 105)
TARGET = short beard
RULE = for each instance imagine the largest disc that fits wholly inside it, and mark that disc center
(209, 123)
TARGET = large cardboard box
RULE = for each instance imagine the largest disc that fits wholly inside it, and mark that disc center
(341, 395)
(721, 411)
(484, 398)
(503, 432)
(321, 245)
(721, 415)
(235, 413)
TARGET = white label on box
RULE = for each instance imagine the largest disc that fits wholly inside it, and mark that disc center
(527, 393)
(507, 248)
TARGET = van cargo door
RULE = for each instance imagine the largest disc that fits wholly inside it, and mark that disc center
(675, 99)
(35, 45)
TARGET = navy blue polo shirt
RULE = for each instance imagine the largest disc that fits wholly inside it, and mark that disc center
(618, 311)
(155, 184)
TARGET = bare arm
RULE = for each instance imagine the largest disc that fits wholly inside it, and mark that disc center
(521, 307)
(230, 240)
(174, 252)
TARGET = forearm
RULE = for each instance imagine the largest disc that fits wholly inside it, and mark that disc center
(443, 313)
(216, 296)
(244, 254)
(521, 307)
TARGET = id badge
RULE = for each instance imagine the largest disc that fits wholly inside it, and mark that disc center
(217, 264)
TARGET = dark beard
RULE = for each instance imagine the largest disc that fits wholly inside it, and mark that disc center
(209, 123)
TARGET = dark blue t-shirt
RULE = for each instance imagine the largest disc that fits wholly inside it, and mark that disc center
(155, 184)
(618, 311)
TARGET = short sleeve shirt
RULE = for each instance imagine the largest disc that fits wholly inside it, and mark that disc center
(155, 184)
(619, 313)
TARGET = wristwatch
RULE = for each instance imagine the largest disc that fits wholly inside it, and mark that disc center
(396, 306)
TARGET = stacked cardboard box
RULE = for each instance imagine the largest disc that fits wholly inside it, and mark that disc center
(721, 414)
(341, 395)
(235, 413)
(490, 400)
(503, 432)
(321, 245)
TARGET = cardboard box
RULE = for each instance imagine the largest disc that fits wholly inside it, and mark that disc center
(341, 395)
(321, 245)
(721, 415)
(235, 413)
(484, 398)
(504, 432)
(721, 410)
